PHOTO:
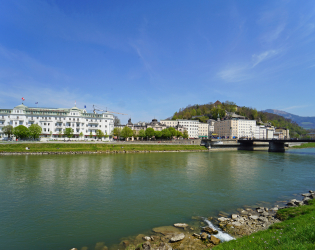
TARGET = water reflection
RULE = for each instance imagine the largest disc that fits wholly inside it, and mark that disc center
(73, 201)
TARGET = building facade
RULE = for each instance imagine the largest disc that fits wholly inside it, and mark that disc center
(54, 121)
(235, 128)
(194, 128)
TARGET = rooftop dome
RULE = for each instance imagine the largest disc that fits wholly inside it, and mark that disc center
(74, 108)
(21, 106)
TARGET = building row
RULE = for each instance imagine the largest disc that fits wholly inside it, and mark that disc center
(54, 121)
(249, 129)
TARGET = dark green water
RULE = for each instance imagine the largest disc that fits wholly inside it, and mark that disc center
(60, 202)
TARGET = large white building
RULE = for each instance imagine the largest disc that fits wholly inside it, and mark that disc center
(235, 128)
(194, 128)
(54, 121)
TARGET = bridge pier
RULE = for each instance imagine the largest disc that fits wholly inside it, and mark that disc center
(275, 146)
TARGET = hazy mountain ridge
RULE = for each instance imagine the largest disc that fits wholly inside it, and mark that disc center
(306, 122)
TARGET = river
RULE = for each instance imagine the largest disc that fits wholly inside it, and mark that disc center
(65, 201)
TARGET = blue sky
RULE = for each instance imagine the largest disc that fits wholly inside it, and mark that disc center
(149, 58)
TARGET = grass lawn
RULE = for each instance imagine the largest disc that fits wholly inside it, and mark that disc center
(306, 145)
(67, 147)
(296, 231)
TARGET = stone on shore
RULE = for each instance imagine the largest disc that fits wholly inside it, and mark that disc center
(214, 240)
(147, 238)
(254, 217)
(182, 225)
(234, 216)
(210, 230)
(204, 236)
(166, 230)
(146, 245)
(177, 237)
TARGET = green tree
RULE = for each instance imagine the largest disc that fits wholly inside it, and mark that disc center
(60, 133)
(69, 132)
(179, 134)
(126, 132)
(172, 131)
(185, 134)
(106, 135)
(21, 132)
(158, 134)
(141, 133)
(91, 135)
(217, 113)
(116, 132)
(8, 130)
(35, 130)
(81, 134)
(149, 132)
(99, 134)
(166, 133)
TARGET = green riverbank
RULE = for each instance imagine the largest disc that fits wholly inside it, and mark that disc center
(97, 147)
(306, 145)
(296, 231)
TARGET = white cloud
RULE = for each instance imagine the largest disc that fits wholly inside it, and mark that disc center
(263, 56)
(235, 74)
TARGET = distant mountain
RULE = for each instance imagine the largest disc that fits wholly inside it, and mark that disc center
(306, 122)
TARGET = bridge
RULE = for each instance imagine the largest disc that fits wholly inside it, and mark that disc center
(272, 145)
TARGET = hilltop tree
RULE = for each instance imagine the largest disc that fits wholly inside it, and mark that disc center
(21, 132)
(34, 131)
(8, 130)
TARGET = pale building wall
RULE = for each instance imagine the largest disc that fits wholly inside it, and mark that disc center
(56, 120)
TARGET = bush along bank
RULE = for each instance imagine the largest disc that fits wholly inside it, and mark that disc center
(288, 227)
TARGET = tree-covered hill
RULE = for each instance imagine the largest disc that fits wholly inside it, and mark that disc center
(203, 112)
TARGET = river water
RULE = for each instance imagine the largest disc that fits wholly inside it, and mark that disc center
(65, 201)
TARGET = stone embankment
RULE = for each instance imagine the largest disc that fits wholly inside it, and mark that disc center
(96, 152)
(182, 236)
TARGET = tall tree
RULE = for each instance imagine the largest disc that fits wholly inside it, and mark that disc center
(99, 133)
(116, 132)
(149, 132)
(81, 134)
(126, 132)
(116, 120)
(35, 130)
(8, 130)
(141, 133)
(69, 132)
(172, 131)
(158, 134)
(166, 133)
(21, 132)
(185, 134)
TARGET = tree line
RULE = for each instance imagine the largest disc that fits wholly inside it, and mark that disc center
(34, 131)
(150, 133)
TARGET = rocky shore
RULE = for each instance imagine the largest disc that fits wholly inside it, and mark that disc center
(203, 234)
